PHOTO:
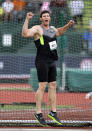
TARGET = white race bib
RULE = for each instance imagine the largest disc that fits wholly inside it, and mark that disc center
(53, 45)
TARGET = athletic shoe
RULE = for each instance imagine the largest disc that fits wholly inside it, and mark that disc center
(40, 119)
(54, 117)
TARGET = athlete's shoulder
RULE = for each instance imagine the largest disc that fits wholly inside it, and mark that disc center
(36, 26)
(53, 27)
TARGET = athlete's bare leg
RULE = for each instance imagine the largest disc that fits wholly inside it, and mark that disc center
(39, 96)
(52, 95)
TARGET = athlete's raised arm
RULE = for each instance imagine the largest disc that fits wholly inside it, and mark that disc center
(29, 32)
(63, 29)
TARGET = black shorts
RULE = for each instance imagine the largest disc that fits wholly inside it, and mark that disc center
(46, 71)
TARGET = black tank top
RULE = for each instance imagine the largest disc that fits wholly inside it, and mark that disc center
(47, 45)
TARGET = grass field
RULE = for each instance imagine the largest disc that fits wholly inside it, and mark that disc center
(16, 87)
(23, 107)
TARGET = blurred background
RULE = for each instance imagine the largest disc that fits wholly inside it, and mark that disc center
(18, 76)
(17, 54)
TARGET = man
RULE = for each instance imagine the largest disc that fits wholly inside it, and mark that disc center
(77, 8)
(88, 95)
(8, 8)
(19, 6)
(87, 39)
(46, 43)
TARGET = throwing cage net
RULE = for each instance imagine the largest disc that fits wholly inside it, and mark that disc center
(18, 76)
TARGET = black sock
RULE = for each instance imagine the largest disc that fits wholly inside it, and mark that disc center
(39, 114)
(53, 112)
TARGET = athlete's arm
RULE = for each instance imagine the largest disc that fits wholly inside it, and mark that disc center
(29, 32)
(63, 29)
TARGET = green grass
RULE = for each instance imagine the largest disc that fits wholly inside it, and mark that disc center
(16, 89)
(23, 107)
(65, 106)
(16, 107)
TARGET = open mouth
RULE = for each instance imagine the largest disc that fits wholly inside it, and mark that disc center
(46, 20)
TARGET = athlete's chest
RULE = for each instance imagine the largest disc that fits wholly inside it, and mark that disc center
(50, 33)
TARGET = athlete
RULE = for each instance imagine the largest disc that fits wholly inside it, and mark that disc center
(45, 39)
(88, 95)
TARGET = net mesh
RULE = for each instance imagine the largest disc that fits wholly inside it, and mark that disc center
(18, 76)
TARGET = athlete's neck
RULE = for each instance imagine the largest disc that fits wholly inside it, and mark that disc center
(46, 27)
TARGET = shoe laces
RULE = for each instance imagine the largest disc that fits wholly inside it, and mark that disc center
(41, 117)
(55, 115)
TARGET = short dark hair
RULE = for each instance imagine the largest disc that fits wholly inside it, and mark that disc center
(44, 11)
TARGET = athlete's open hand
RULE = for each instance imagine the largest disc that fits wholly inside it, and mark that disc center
(71, 22)
(29, 15)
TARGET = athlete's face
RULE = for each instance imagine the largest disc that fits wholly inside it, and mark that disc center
(45, 19)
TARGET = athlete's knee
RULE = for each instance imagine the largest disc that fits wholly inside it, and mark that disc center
(52, 85)
(42, 86)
